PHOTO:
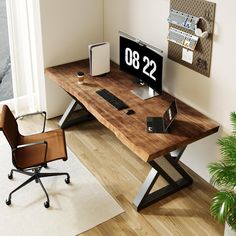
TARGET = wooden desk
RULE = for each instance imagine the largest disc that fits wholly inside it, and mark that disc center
(189, 126)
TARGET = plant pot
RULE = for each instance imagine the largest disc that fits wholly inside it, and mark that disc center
(228, 231)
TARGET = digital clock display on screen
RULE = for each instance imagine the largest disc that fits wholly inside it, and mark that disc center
(142, 62)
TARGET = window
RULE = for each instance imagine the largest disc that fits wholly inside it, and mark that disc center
(24, 26)
(6, 90)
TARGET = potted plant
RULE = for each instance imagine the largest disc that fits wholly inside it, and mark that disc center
(223, 205)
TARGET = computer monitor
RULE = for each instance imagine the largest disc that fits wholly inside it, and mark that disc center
(141, 61)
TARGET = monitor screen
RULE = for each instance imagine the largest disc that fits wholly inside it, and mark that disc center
(170, 115)
(142, 62)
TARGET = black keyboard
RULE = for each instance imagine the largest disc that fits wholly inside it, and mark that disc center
(112, 99)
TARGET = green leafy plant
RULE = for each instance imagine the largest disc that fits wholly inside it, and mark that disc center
(223, 205)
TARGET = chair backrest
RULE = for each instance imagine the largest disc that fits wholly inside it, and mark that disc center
(9, 126)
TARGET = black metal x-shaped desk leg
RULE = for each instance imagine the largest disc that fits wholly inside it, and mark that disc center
(144, 198)
(66, 120)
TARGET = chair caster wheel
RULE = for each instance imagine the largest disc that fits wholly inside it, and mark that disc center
(67, 180)
(8, 202)
(46, 204)
(45, 166)
(10, 176)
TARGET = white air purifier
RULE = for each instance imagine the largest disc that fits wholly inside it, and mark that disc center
(99, 58)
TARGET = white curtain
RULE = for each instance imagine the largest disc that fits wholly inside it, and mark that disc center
(26, 54)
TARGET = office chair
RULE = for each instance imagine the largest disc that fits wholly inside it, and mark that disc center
(32, 152)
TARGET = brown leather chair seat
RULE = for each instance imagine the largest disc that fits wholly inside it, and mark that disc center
(56, 149)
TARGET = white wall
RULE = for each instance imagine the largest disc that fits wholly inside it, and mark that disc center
(214, 96)
(68, 27)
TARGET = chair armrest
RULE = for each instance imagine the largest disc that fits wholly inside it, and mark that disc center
(31, 145)
(35, 113)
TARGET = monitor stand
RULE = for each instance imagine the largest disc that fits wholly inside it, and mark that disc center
(144, 92)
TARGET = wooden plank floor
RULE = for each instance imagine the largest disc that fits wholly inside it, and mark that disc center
(121, 173)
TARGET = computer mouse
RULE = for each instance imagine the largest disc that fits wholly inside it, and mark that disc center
(130, 112)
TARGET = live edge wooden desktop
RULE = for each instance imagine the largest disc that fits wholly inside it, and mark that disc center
(189, 126)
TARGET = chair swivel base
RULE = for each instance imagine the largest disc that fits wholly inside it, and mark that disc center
(35, 175)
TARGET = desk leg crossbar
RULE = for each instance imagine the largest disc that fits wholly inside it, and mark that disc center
(144, 198)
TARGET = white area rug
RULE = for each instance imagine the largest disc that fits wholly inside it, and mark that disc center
(74, 208)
